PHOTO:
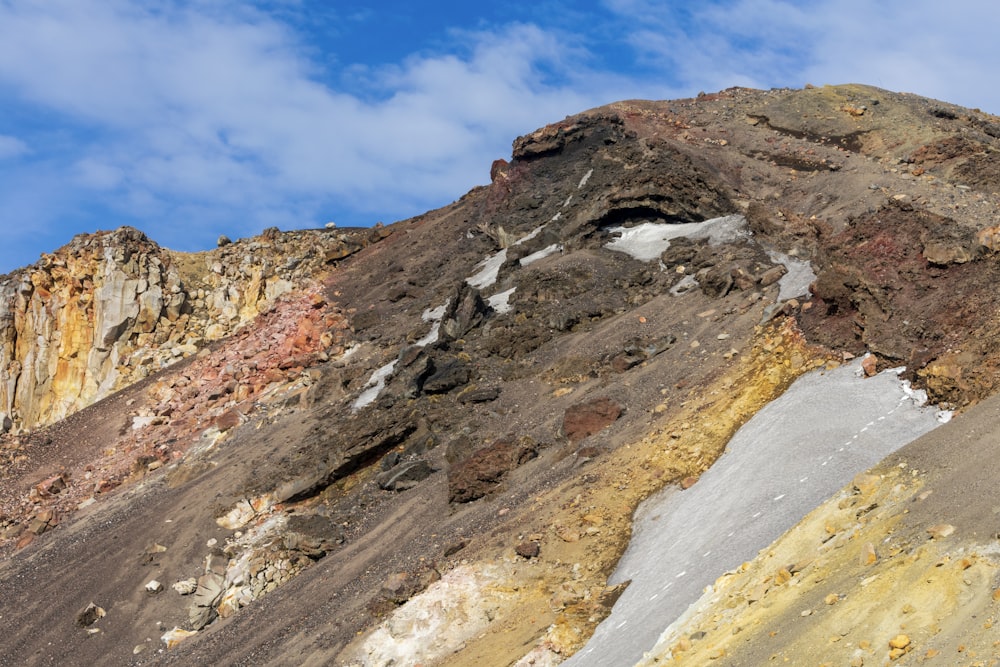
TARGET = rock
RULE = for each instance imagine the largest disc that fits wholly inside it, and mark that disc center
(153, 586)
(868, 554)
(209, 591)
(186, 586)
(688, 482)
(485, 469)
(223, 240)
(89, 615)
(528, 549)
(484, 395)
(174, 637)
(940, 531)
(585, 419)
(445, 376)
(401, 586)
(989, 238)
(869, 365)
(405, 475)
(866, 484)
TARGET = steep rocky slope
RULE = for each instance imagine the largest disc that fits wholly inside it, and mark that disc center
(422, 444)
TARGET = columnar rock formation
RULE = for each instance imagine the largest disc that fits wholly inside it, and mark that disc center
(109, 308)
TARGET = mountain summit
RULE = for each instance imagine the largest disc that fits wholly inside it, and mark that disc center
(425, 443)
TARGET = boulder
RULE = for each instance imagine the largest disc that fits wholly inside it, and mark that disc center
(484, 470)
(585, 419)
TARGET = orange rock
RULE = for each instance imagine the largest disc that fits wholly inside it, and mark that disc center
(688, 482)
(869, 365)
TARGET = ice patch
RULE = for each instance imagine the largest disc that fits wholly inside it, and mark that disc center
(375, 385)
(583, 181)
(568, 200)
(490, 269)
(541, 254)
(647, 241)
(799, 276)
(500, 302)
(686, 284)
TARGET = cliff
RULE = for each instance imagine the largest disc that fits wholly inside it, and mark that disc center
(110, 308)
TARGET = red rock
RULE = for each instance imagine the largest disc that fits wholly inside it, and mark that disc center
(688, 482)
(227, 420)
(584, 419)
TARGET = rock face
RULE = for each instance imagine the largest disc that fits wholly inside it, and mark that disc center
(110, 308)
(424, 442)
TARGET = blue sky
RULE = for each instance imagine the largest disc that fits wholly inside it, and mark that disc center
(194, 118)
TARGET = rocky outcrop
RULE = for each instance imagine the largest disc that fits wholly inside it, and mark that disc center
(109, 308)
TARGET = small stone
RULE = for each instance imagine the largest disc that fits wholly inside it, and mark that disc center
(868, 365)
(896, 654)
(866, 484)
(806, 612)
(868, 554)
(174, 637)
(528, 550)
(89, 615)
(153, 586)
(186, 587)
(688, 482)
(899, 641)
(941, 530)
(832, 598)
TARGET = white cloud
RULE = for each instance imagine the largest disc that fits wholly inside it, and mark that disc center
(11, 147)
(217, 107)
(943, 50)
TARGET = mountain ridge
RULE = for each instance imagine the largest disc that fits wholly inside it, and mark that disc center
(531, 382)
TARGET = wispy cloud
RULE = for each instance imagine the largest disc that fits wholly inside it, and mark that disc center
(936, 49)
(184, 108)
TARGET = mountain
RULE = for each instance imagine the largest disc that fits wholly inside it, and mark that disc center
(423, 443)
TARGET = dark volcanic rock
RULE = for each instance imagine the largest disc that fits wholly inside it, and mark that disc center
(482, 472)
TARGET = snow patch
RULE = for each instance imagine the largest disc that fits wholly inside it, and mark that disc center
(648, 240)
(541, 254)
(489, 269)
(535, 232)
(434, 314)
(500, 302)
(583, 181)
(375, 385)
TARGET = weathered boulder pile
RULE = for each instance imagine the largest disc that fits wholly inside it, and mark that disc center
(423, 443)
